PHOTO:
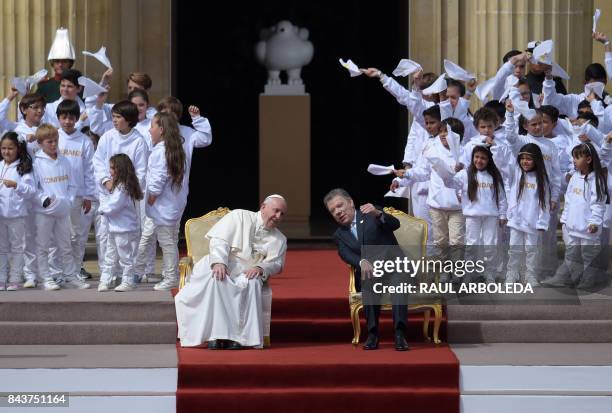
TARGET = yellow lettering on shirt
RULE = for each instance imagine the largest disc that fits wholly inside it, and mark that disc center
(529, 185)
(71, 152)
(577, 191)
(55, 179)
(546, 157)
(485, 185)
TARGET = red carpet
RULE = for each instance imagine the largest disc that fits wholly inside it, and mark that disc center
(311, 365)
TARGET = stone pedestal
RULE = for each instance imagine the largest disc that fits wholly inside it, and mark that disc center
(284, 157)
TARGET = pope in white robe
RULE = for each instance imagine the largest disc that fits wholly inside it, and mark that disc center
(222, 300)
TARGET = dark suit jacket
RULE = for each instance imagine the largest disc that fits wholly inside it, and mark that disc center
(370, 231)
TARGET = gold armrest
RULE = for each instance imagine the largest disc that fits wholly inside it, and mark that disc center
(185, 268)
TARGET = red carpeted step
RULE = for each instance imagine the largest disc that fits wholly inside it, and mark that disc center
(339, 329)
(308, 400)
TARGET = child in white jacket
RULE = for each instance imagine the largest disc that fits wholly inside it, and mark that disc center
(483, 202)
(56, 191)
(121, 212)
(78, 149)
(16, 187)
(444, 205)
(583, 218)
(123, 138)
(528, 212)
(166, 197)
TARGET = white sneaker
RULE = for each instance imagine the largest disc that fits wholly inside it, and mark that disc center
(12, 287)
(102, 287)
(51, 285)
(125, 286)
(143, 280)
(29, 284)
(76, 283)
(165, 285)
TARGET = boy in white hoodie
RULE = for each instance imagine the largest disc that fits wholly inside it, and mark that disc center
(56, 191)
(123, 138)
(78, 149)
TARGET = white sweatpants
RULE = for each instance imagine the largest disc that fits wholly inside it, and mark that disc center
(420, 209)
(87, 220)
(150, 268)
(167, 236)
(481, 242)
(12, 246)
(30, 269)
(54, 231)
(581, 258)
(547, 246)
(125, 246)
(522, 244)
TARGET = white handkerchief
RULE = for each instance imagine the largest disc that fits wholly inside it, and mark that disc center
(453, 142)
(595, 87)
(20, 84)
(100, 55)
(511, 81)
(596, 17)
(351, 67)
(401, 192)
(543, 53)
(36, 77)
(91, 87)
(406, 67)
(523, 108)
(380, 170)
(484, 89)
(438, 86)
(558, 71)
(579, 130)
(25, 84)
(454, 71)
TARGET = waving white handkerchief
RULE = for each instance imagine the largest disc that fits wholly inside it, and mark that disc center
(380, 170)
(36, 78)
(511, 82)
(91, 87)
(484, 89)
(351, 67)
(436, 87)
(25, 84)
(523, 108)
(406, 67)
(596, 17)
(595, 87)
(19, 83)
(454, 71)
(579, 130)
(100, 55)
(543, 52)
(453, 143)
(401, 192)
(559, 71)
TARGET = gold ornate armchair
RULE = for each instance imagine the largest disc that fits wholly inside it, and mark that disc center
(197, 247)
(412, 233)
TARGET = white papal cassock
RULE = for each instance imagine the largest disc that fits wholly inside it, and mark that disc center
(208, 309)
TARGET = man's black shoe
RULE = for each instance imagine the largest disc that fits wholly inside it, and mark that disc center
(233, 345)
(400, 342)
(371, 343)
(215, 345)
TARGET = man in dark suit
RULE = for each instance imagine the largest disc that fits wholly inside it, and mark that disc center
(366, 226)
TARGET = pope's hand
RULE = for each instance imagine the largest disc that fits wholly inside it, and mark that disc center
(254, 272)
(219, 271)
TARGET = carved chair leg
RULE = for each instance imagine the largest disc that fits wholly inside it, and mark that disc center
(437, 321)
(426, 317)
(356, 325)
